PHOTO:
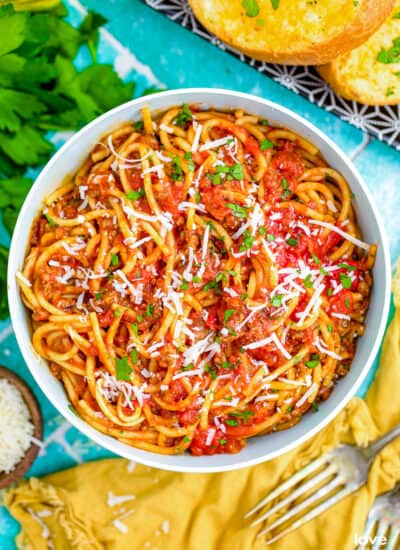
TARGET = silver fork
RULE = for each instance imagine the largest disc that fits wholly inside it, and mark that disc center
(335, 475)
(382, 528)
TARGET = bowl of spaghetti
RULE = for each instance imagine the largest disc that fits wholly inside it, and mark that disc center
(199, 280)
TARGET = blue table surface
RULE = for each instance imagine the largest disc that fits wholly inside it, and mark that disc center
(146, 47)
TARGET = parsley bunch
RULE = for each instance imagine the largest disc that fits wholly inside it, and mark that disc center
(42, 91)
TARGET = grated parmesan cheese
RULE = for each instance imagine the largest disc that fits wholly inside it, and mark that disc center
(16, 428)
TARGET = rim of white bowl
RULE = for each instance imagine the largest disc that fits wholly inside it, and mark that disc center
(132, 453)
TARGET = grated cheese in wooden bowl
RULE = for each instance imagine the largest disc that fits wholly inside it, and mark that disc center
(16, 427)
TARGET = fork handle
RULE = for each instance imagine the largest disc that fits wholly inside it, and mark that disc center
(372, 450)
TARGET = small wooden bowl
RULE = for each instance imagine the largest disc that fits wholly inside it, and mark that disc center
(36, 418)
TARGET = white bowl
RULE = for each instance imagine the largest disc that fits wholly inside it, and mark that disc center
(258, 449)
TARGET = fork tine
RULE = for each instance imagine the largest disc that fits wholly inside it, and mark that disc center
(298, 476)
(383, 526)
(393, 538)
(313, 513)
(367, 531)
(332, 469)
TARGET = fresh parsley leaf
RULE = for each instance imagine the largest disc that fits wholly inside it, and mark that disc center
(89, 31)
(251, 7)
(3, 282)
(123, 369)
(270, 237)
(275, 4)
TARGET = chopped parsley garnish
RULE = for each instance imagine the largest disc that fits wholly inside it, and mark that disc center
(197, 197)
(231, 422)
(315, 258)
(296, 359)
(292, 242)
(289, 409)
(261, 230)
(223, 441)
(270, 237)
(392, 55)
(185, 285)
(134, 356)
(329, 327)
(323, 271)
(117, 312)
(389, 91)
(177, 172)
(99, 295)
(348, 267)
(245, 414)
(211, 372)
(264, 122)
(276, 301)
(138, 125)
(189, 161)
(396, 15)
(149, 310)
(123, 369)
(50, 220)
(329, 291)
(314, 406)
(186, 439)
(266, 144)
(286, 190)
(345, 280)
(135, 329)
(216, 179)
(227, 365)
(307, 281)
(248, 241)
(347, 303)
(228, 314)
(185, 115)
(251, 7)
(244, 296)
(275, 4)
(313, 362)
(114, 259)
(237, 171)
(139, 318)
(237, 210)
(188, 367)
(135, 195)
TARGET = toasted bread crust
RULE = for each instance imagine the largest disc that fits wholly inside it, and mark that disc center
(360, 76)
(303, 45)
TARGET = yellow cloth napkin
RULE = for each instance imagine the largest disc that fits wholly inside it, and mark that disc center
(79, 509)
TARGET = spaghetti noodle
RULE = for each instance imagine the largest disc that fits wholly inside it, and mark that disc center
(199, 281)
